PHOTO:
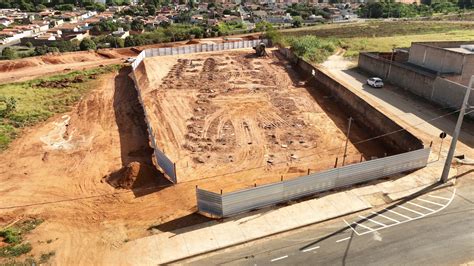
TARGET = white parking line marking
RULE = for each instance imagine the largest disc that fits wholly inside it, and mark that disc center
(350, 225)
(429, 201)
(370, 229)
(375, 222)
(309, 249)
(408, 209)
(279, 258)
(419, 206)
(386, 217)
(438, 197)
(344, 239)
(409, 219)
(402, 215)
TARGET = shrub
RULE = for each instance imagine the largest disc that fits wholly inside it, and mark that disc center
(87, 44)
(15, 250)
(11, 235)
(9, 53)
(312, 48)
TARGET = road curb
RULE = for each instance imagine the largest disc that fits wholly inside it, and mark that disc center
(428, 188)
(262, 237)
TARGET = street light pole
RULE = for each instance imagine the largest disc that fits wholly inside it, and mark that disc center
(449, 158)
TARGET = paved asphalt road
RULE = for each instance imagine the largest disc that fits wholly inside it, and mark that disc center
(436, 228)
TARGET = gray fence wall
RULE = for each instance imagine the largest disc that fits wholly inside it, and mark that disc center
(195, 48)
(168, 167)
(249, 199)
(427, 85)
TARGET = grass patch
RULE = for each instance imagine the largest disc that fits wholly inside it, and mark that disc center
(315, 44)
(27, 103)
(15, 250)
(312, 48)
(386, 44)
(14, 236)
(380, 29)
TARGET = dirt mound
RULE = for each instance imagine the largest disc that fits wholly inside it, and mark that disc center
(193, 42)
(133, 175)
(62, 83)
(50, 59)
(10, 65)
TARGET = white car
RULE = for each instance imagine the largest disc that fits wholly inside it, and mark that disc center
(375, 82)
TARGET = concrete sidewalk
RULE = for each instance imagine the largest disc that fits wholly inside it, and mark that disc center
(191, 241)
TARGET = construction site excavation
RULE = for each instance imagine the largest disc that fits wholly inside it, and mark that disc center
(253, 120)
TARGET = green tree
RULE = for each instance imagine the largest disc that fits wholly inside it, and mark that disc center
(263, 26)
(65, 7)
(8, 53)
(137, 25)
(297, 22)
(87, 44)
(40, 7)
(29, 44)
(151, 10)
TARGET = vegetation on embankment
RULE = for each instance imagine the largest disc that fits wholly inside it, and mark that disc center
(14, 245)
(315, 44)
(27, 103)
(12, 239)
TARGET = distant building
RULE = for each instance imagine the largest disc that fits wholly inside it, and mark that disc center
(121, 33)
(455, 60)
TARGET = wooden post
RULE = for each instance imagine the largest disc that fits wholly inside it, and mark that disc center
(347, 141)
(335, 164)
(175, 174)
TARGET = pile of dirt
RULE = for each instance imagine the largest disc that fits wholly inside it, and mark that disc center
(193, 42)
(131, 176)
(62, 83)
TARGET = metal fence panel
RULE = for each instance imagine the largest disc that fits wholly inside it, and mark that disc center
(233, 203)
(254, 198)
(166, 164)
(209, 202)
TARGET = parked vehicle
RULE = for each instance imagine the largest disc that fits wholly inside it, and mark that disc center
(375, 82)
(130, 60)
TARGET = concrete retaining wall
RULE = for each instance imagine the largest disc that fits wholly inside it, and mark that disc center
(427, 85)
(360, 110)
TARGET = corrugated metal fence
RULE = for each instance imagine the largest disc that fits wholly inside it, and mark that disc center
(253, 198)
(195, 48)
(168, 167)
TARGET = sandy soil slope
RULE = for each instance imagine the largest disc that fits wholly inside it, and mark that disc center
(32, 67)
(220, 113)
(56, 170)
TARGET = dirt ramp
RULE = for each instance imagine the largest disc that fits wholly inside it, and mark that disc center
(133, 175)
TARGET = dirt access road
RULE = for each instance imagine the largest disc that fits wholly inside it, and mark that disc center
(39, 66)
(222, 113)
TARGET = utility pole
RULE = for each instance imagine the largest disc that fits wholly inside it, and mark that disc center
(347, 141)
(449, 158)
